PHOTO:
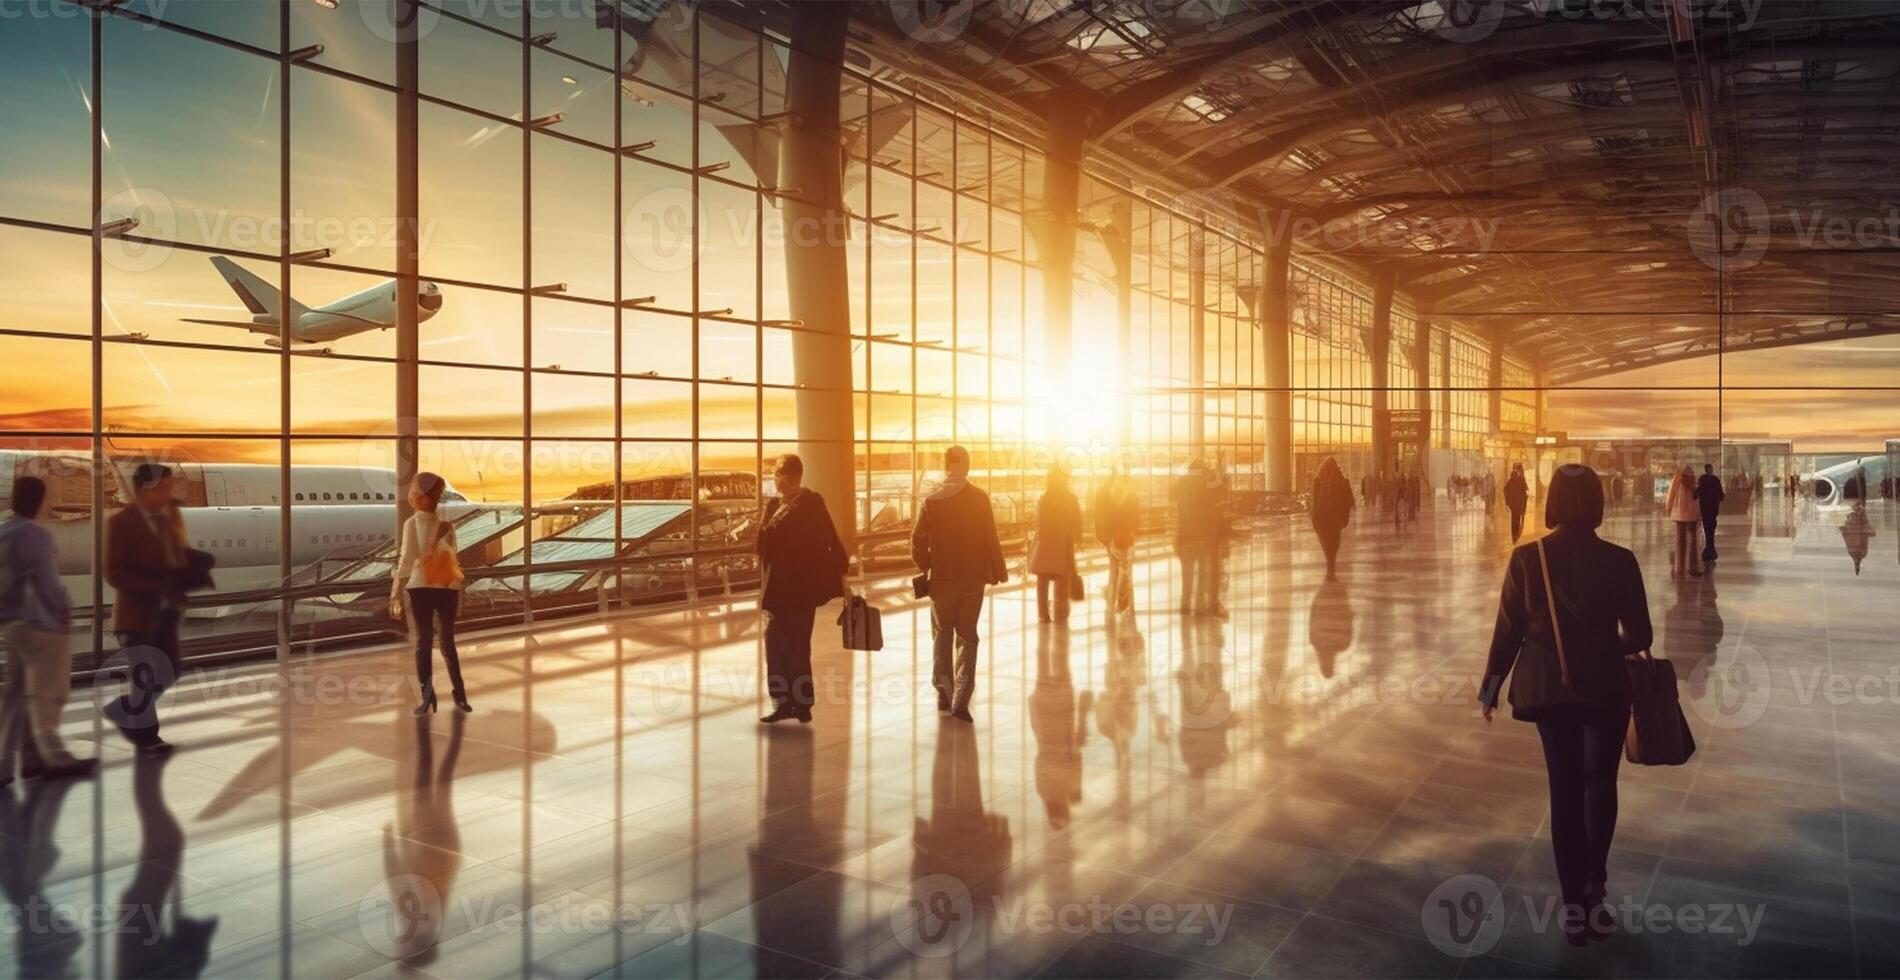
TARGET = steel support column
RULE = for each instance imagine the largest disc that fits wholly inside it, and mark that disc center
(816, 274)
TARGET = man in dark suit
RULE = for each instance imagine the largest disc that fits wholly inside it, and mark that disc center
(145, 565)
(1708, 496)
(803, 565)
(954, 542)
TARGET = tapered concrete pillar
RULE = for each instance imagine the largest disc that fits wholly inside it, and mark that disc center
(1379, 353)
(1444, 371)
(816, 274)
(1197, 340)
(1494, 381)
(408, 256)
(1422, 360)
(1276, 337)
(1061, 198)
(1121, 248)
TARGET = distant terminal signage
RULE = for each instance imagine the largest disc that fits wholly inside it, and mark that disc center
(1406, 424)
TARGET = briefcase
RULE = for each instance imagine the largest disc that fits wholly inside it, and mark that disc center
(1659, 732)
(862, 625)
(920, 586)
(196, 575)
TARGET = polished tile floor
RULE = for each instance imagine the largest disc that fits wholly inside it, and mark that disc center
(1303, 789)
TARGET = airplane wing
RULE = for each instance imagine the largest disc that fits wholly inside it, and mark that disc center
(270, 328)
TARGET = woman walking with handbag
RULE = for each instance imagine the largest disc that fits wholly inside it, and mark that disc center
(430, 577)
(1052, 558)
(1573, 608)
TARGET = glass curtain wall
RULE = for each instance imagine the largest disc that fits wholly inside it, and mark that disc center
(605, 343)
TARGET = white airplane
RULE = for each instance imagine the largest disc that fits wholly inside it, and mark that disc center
(371, 309)
(1840, 484)
(229, 509)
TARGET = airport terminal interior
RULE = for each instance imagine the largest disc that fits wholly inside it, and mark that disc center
(566, 281)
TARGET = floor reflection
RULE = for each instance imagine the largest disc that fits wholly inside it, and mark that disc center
(1059, 720)
(155, 936)
(1312, 765)
(46, 948)
(421, 850)
(1329, 624)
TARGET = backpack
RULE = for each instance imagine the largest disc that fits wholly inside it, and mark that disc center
(440, 568)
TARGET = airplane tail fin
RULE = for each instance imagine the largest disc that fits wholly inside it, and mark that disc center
(260, 297)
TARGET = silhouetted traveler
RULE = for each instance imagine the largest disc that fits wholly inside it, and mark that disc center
(1567, 676)
(1681, 507)
(36, 613)
(1117, 520)
(1331, 510)
(146, 565)
(1197, 533)
(802, 565)
(429, 576)
(954, 542)
(1617, 489)
(1052, 559)
(1517, 496)
(1708, 497)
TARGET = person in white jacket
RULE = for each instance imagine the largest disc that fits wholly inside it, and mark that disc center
(1682, 508)
(428, 577)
